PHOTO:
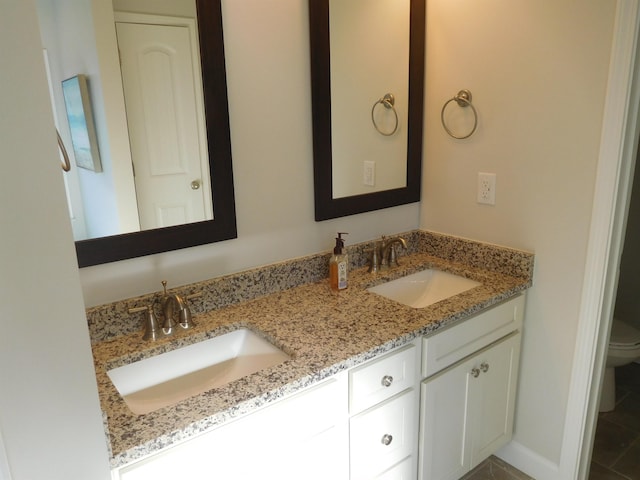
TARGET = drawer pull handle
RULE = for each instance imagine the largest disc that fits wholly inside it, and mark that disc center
(387, 380)
(484, 366)
(475, 372)
(387, 439)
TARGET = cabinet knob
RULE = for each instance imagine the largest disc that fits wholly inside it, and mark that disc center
(484, 366)
(387, 439)
(195, 185)
(387, 380)
(475, 372)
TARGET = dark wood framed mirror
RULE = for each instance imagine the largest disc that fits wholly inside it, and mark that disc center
(223, 226)
(327, 206)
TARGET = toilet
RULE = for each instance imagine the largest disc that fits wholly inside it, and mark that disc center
(624, 348)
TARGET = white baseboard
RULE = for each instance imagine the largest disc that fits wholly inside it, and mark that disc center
(529, 462)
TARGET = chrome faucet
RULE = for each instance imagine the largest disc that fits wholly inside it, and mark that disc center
(170, 305)
(388, 254)
(384, 255)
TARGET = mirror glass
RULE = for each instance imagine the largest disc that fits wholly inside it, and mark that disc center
(157, 93)
(367, 66)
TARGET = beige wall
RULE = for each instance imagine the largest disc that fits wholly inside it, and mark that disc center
(538, 72)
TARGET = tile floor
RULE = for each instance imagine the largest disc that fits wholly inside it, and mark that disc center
(616, 449)
(495, 469)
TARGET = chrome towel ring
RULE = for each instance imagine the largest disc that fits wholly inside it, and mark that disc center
(388, 101)
(463, 99)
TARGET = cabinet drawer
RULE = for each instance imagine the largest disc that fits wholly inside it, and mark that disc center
(384, 435)
(446, 347)
(382, 378)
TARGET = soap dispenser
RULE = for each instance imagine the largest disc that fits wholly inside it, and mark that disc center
(338, 265)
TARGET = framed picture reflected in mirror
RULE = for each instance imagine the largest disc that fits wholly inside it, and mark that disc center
(80, 116)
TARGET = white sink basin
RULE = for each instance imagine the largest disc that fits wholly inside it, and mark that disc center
(170, 377)
(424, 288)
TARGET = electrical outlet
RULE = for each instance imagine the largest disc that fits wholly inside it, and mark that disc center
(487, 188)
(369, 173)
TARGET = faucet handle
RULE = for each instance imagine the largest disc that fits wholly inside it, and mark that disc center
(185, 319)
(393, 257)
(374, 260)
(152, 329)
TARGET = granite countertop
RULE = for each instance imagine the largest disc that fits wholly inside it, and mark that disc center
(323, 331)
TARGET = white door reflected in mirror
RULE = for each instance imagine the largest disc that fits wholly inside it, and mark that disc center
(163, 97)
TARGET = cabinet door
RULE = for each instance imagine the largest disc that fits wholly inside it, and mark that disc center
(321, 457)
(445, 452)
(466, 411)
(493, 420)
(232, 453)
(305, 436)
(405, 470)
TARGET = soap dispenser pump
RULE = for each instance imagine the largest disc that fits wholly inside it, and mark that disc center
(338, 265)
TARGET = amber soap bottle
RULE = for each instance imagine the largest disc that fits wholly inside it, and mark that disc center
(339, 265)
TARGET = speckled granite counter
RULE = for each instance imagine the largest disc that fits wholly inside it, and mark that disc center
(323, 331)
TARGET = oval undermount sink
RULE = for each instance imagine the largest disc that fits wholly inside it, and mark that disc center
(424, 288)
(170, 377)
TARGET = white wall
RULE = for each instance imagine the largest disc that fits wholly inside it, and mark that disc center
(537, 71)
(267, 53)
(49, 412)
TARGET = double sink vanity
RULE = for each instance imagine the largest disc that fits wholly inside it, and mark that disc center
(408, 373)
